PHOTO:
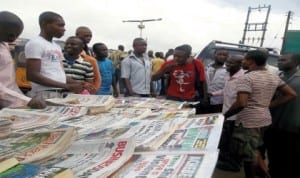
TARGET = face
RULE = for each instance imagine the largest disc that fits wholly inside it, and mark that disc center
(285, 63)
(140, 46)
(181, 57)
(73, 46)
(57, 28)
(246, 63)
(85, 35)
(232, 65)
(221, 56)
(101, 51)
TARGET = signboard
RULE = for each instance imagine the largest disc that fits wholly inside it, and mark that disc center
(292, 42)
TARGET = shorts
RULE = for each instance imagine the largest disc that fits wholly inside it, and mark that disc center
(245, 142)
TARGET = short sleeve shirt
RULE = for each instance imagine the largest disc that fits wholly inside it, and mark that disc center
(182, 79)
(51, 58)
(138, 73)
(261, 86)
(107, 71)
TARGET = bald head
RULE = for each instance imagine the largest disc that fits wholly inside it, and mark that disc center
(84, 33)
(234, 63)
(11, 26)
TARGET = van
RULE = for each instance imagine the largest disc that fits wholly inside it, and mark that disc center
(207, 53)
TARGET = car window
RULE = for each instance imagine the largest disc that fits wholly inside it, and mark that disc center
(207, 54)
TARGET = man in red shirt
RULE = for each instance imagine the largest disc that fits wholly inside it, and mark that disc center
(182, 70)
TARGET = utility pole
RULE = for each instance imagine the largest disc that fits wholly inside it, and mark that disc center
(290, 13)
(141, 26)
(254, 26)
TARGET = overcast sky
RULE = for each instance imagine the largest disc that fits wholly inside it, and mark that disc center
(194, 22)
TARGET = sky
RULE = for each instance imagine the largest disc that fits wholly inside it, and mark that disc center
(194, 22)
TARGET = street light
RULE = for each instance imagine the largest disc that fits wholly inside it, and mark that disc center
(141, 26)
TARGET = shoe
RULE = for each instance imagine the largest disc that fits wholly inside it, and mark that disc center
(227, 166)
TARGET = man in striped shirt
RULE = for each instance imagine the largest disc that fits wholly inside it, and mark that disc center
(76, 68)
(255, 90)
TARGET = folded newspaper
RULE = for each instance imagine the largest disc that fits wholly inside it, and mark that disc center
(169, 164)
(36, 146)
(95, 159)
(95, 103)
(28, 120)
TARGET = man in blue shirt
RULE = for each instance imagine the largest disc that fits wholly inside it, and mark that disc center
(107, 70)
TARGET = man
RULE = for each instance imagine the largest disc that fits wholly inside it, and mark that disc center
(85, 34)
(183, 70)
(215, 76)
(11, 26)
(136, 70)
(44, 60)
(227, 159)
(255, 90)
(117, 56)
(107, 70)
(75, 66)
(157, 62)
(283, 138)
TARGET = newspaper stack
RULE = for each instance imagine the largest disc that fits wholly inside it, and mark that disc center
(28, 120)
(95, 103)
(95, 159)
(61, 112)
(36, 146)
(5, 127)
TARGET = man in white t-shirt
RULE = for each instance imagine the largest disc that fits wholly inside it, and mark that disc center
(44, 60)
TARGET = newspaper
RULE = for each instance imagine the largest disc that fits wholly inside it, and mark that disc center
(198, 138)
(198, 121)
(61, 112)
(95, 159)
(94, 103)
(131, 113)
(90, 124)
(150, 134)
(25, 120)
(36, 146)
(107, 133)
(169, 165)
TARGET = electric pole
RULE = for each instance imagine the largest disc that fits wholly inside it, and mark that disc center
(141, 26)
(290, 13)
(254, 26)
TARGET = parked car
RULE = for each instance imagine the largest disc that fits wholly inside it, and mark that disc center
(207, 53)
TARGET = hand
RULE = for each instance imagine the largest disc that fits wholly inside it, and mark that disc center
(90, 88)
(36, 104)
(115, 93)
(153, 94)
(76, 87)
(170, 66)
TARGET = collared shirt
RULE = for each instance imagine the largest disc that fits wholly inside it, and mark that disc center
(215, 78)
(138, 73)
(230, 92)
(10, 94)
(261, 86)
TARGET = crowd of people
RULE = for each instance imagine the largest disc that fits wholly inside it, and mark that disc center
(260, 106)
